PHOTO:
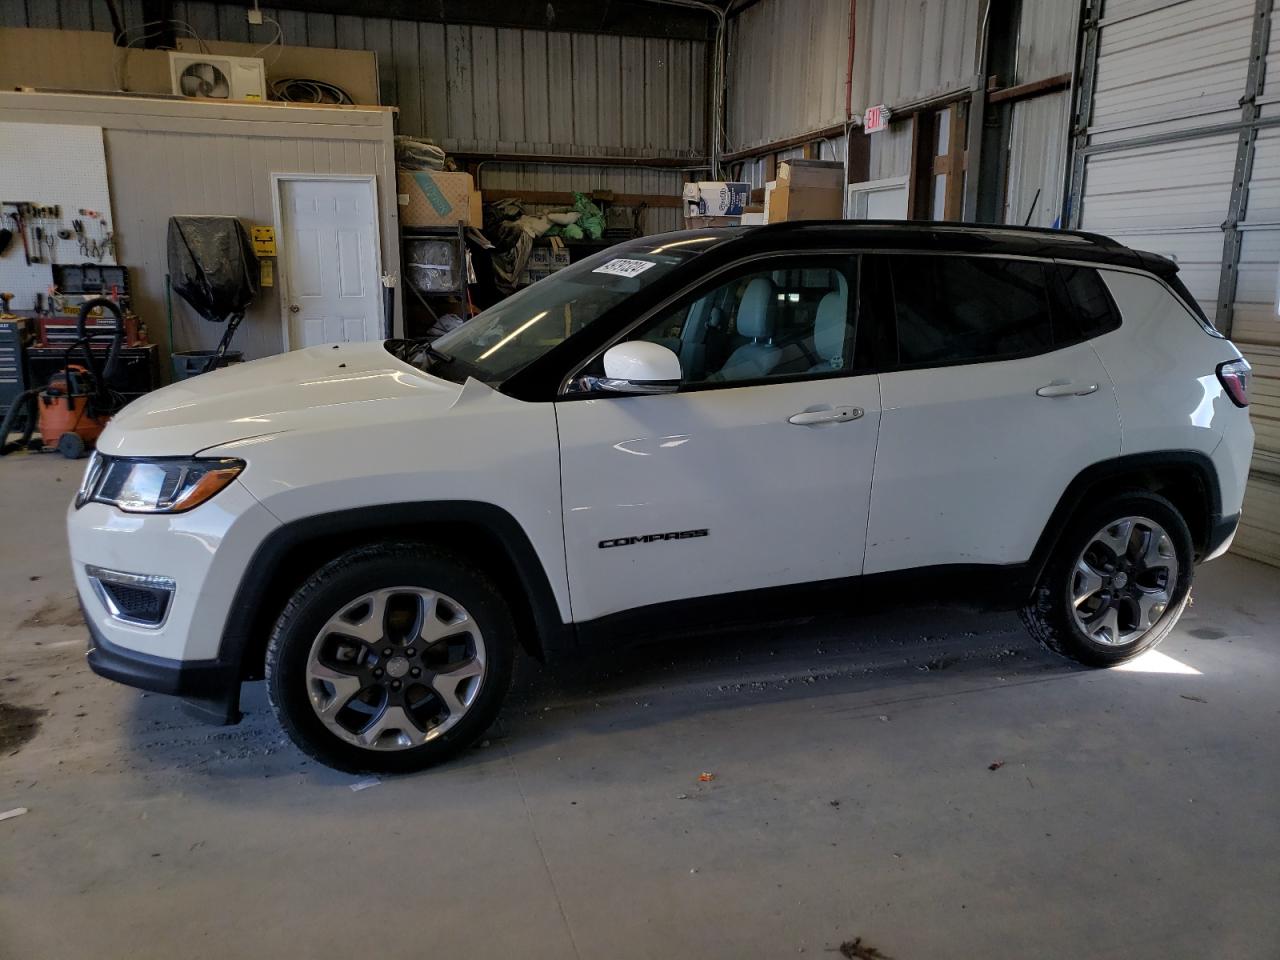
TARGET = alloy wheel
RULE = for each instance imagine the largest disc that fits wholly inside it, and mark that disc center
(1123, 581)
(395, 668)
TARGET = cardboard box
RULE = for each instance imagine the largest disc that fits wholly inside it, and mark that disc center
(716, 198)
(544, 261)
(430, 198)
(702, 223)
(806, 190)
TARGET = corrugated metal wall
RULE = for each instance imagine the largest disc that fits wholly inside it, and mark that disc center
(527, 91)
(163, 159)
(788, 61)
(1038, 146)
(67, 14)
(786, 72)
(906, 52)
(486, 89)
(1040, 126)
(1176, 70)
(1046, 39)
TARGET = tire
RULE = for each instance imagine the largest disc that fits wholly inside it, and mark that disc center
(1148, 591)
(337, 671)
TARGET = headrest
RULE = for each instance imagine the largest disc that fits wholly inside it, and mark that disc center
(829, 327)
(755, 312)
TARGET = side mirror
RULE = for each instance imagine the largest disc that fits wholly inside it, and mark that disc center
(639, 366)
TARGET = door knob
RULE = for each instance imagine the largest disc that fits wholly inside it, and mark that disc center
(813, 418)
(294, 308)
(1060, 389)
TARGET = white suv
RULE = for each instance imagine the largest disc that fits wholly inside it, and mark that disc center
(684, 425)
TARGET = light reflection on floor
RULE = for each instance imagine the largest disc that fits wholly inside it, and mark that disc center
(1153, 661)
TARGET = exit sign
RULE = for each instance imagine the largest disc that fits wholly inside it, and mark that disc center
(875, 119)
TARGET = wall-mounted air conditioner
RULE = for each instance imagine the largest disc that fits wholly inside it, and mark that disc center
(215, 77)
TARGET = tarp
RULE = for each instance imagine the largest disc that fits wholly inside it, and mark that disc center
(212, 265)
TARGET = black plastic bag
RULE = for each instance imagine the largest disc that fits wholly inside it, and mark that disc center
(212, 265)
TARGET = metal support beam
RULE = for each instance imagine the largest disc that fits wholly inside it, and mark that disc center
(973, 150)
(976, 119)
(1083, 115)
(1246, 147)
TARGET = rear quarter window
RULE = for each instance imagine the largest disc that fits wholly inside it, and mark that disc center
(1093, 310)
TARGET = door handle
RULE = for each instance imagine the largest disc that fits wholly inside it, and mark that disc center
(813, 418)
(294, 308)
(1059, 389)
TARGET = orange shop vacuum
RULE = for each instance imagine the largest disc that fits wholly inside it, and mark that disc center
(71, 410)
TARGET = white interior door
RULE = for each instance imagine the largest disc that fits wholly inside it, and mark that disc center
(329, 261)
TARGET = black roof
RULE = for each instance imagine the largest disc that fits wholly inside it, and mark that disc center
(951, 237)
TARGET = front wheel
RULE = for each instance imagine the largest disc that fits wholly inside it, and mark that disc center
(1117, 582)
(390, 658)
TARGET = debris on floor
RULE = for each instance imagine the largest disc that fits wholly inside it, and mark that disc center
(995, 765)
(706, 777)
(855, 949)
(15, 812)
(1187, 696)
(365, 784)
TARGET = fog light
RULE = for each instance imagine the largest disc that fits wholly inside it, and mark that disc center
(139, 599)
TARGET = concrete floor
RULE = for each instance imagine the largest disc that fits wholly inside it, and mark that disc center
(1134, 815)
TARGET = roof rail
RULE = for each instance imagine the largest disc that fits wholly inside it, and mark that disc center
(956, 226)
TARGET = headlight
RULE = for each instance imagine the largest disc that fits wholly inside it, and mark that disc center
(160, 485)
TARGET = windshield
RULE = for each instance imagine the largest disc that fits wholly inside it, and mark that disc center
(512, 334)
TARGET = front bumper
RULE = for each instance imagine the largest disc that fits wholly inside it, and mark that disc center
(204, 553)
(210, 688)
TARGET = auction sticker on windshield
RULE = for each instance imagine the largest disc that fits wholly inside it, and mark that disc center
(621, 267)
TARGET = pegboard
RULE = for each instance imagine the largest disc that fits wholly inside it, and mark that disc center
(50, 165)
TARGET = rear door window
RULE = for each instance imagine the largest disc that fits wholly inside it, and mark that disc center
(960, 309)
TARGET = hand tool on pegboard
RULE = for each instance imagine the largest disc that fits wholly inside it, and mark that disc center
(17, 215)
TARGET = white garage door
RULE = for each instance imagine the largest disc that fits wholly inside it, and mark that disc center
(1163, 140)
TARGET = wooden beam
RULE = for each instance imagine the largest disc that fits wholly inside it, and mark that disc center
(667, 162)
(1034, 88)
(565, 197)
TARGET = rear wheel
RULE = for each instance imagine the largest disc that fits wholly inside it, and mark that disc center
(391, 658)
(1117, 583)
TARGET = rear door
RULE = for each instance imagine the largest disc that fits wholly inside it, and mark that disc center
(992, 402)
(755, 474)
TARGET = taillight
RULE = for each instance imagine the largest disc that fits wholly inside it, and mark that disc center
(1234, 375)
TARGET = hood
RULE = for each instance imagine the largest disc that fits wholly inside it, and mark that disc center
(333, 385)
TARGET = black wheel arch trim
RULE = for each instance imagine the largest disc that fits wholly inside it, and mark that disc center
(1073, 497)
(240, 638)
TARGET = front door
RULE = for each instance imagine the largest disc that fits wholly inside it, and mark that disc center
(328, 248)
(757, 473)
